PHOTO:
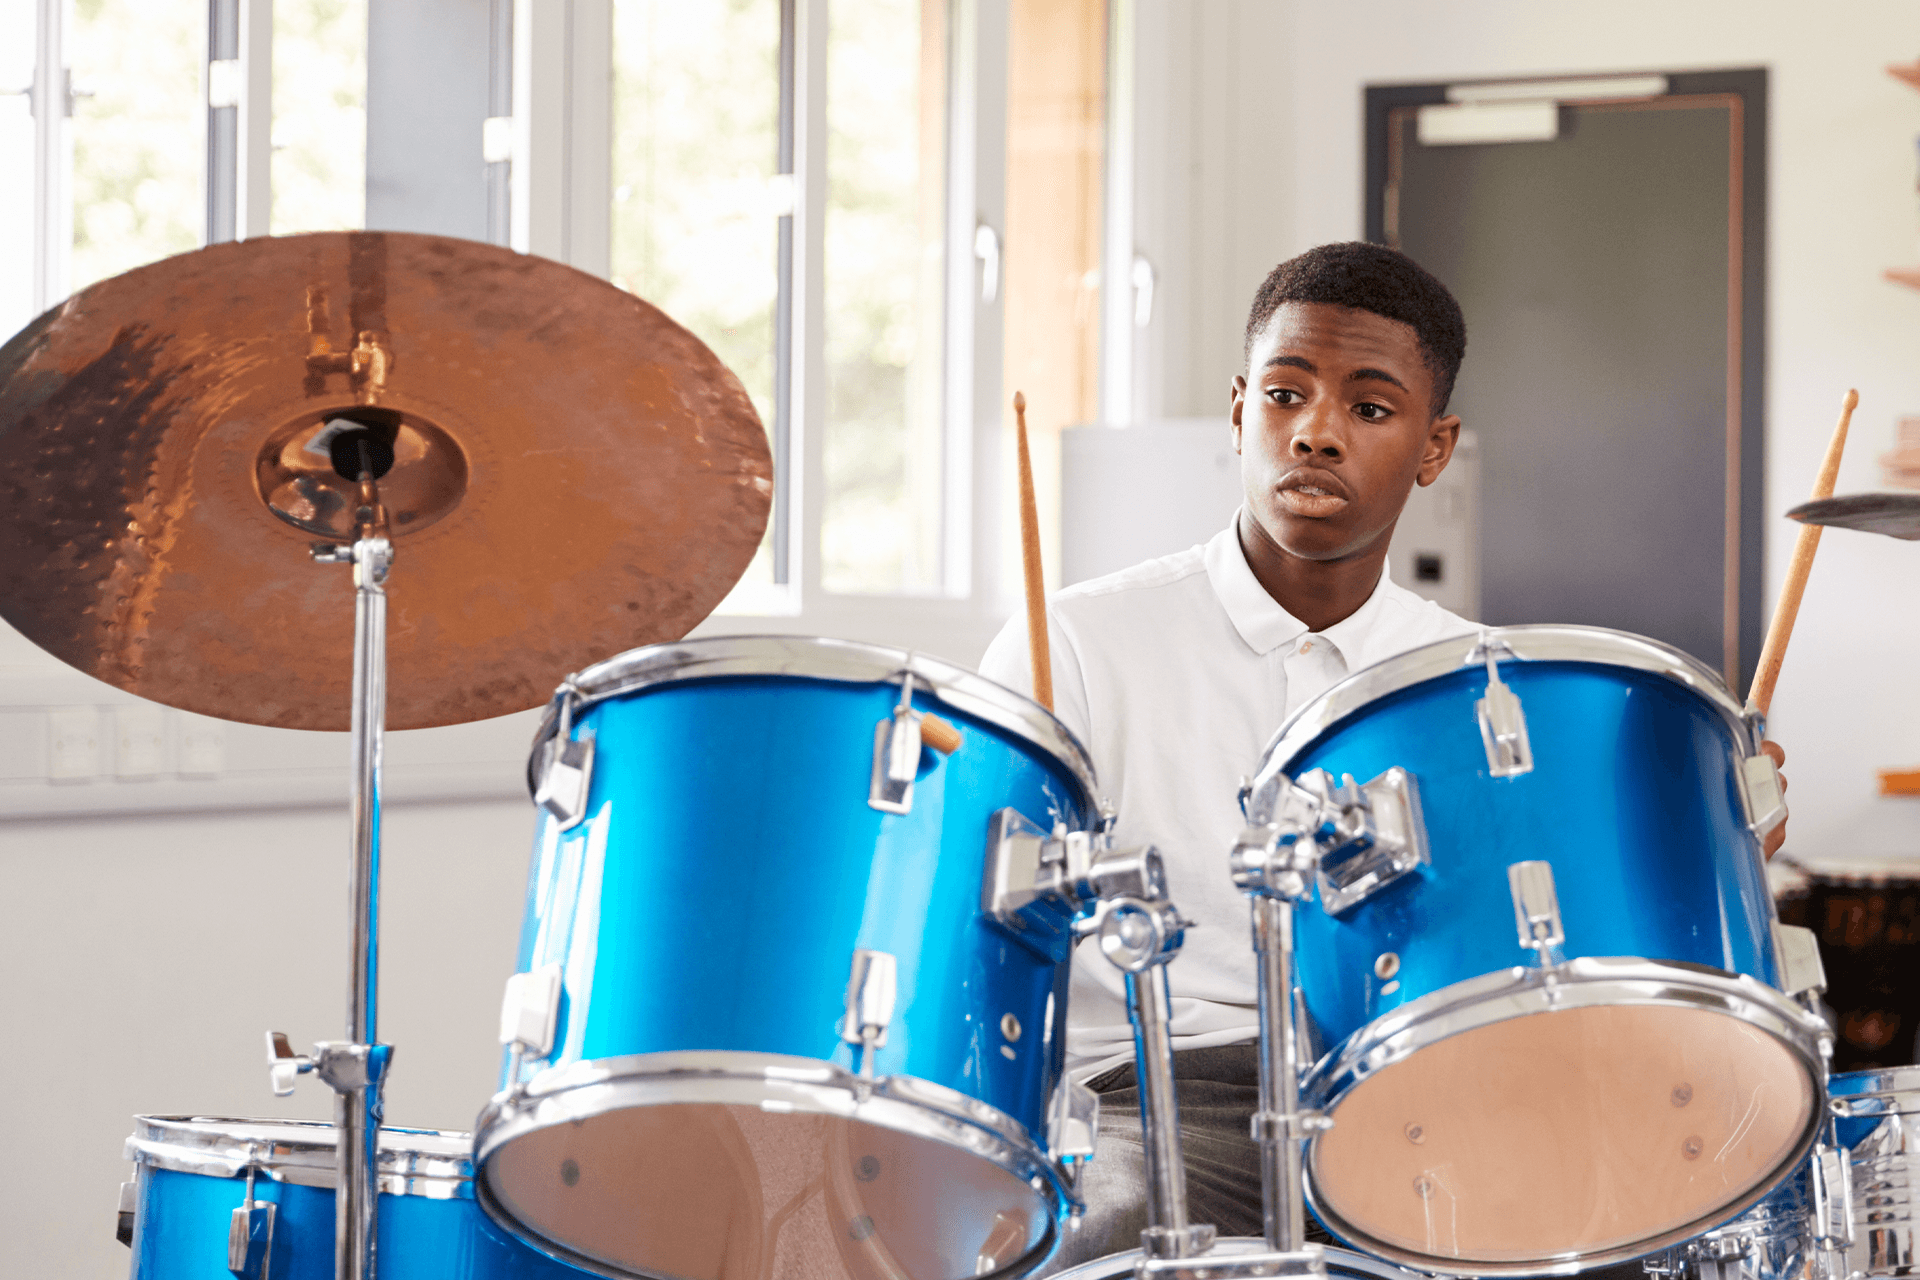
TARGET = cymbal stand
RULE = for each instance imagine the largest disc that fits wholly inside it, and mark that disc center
(356, 1069)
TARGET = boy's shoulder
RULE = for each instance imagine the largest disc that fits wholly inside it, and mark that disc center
(1140, 585)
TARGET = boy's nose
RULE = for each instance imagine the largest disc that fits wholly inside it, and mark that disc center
(1316, 434)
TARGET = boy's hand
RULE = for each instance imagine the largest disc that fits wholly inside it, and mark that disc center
(1777, 836)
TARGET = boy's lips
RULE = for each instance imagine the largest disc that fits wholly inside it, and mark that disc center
(1309, 491)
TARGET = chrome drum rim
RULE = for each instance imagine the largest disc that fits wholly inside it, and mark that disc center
(1596, 646)
(1585, 982)
(836, 661)
(1339, 1262)
(433, 1163)
(904, 1104)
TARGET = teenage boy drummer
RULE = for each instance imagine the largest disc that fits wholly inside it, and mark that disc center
(1176, 672)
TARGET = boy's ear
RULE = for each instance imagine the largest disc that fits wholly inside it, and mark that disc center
(1239, 400)
(1442, 436)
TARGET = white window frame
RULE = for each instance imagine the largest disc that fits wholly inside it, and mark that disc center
(562, 208)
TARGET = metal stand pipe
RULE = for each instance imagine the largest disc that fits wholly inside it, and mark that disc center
(1149, 1006)
(1283, 1189)
(357, 1110)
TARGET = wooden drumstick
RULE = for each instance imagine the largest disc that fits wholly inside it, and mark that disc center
(939, 734)
(1030, 564)
(1774, 651)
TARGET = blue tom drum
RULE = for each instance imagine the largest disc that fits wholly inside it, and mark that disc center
(1519, 1085)
(762, 1024)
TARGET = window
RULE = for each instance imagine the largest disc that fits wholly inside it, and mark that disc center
(136, 131)
(319, 115)
(701, 204)
(883, 274)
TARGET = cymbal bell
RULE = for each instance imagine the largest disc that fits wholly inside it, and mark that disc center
(572, 474)
(1895, 514)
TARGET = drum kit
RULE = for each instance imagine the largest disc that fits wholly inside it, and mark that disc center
(791, 996)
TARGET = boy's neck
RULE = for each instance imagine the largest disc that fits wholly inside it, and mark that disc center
(1317, 592)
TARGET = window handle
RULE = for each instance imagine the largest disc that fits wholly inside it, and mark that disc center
(986, 247)
(1143, 280)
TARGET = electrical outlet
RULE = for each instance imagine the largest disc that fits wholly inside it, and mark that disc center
(140, 742)
(203, 747)
(73, 744)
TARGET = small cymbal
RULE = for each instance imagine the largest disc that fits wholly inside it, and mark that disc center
(572, 475)
(1895, 514)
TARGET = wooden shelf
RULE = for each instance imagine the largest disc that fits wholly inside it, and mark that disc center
(1900, 782)
(1909, 276)
(1908, 72)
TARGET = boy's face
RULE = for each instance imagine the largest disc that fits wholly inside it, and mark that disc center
(1333, 422)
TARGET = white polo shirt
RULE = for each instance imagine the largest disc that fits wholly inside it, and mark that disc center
(1175, 674)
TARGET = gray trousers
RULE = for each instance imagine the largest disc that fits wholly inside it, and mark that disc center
(1218, 1090)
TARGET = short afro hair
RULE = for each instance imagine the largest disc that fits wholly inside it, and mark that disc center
(1372, 277)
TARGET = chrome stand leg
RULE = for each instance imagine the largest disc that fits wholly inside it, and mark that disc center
(1139, 935)
(1149, 1006)
(1275, 1126)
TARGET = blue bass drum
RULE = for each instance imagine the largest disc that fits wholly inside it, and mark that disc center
(1577, 1100)
(193, 1174)
(762, 1025)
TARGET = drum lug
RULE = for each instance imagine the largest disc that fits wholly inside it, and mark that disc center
(1503, 725)
(250, 1235)
(529, 1013)
(566, 779)
(1073, 1122)
(871, 987)
(896, 755)
(129, 1206)
(1800, 965)
(1760, 789)
(1536, 910)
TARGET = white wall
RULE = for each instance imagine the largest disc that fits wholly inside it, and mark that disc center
(1280, 83)
(144, 958)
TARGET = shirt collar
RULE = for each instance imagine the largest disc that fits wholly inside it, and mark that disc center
(1265, 626)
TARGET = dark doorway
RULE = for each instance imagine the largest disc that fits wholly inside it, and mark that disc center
(1613, 282)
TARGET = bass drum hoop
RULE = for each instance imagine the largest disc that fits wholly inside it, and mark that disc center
(1582, 982)
(903, 1104)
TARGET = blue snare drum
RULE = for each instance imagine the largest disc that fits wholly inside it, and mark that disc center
(193, 1173)
(762, 1026)
(1498, 1110)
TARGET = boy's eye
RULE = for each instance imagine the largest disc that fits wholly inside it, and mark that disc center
(1370, 411)
(1285, 395)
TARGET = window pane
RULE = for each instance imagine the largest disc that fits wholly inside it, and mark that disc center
(1056, 116)
(139, 138)
(16, 159)
(696, 202)
(886, 126)
(319, 115)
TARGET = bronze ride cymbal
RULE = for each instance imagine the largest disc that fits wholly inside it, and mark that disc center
(573, 474)
(1895, 514)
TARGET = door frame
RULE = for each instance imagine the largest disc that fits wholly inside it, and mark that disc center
(1743, 555)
